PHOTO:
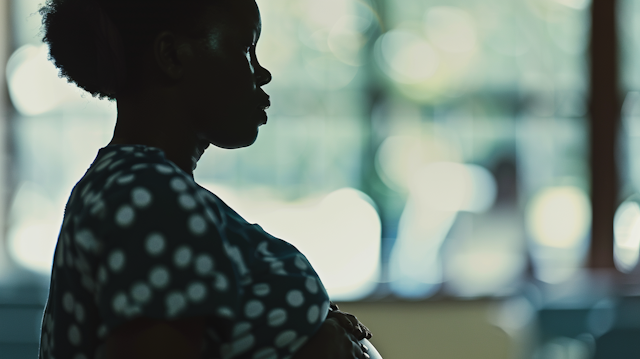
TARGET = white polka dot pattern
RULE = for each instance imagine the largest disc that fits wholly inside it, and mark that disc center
(139, 166)
(119, 302)
(187, 202)
(221, 283)
(241, 329)
(253, 309)
(74, 335)
(115, 164)
(102, 274)
(159, 277)
(141, 292)
(68, 302)
(261, 289)
(175, 303)
(285, 338)
(178, 184)
(277, 267)
(297, 344)
(182, 256)
(197, 225)
(313, 314)
(204, 264)
(79, 312)
(102, 165)
(265, 353)
(295, 298)
(141, 238)
(211, 216)
(87, 241)
(242, 344)
(312, 285)
(116, 260)
(164, 169)
(225, 312)
(141, 197)
(300, 263)
(125, 216)
(197, 292)
(277, 317)
(126, 179)
(155, 244)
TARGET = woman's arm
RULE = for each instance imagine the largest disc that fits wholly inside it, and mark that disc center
(144, 338)
(332, 341)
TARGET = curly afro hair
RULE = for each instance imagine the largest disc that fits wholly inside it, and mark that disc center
(98, 44)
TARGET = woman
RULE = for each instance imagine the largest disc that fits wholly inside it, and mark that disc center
(148, 263)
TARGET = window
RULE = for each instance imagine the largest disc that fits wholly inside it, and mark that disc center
(422, 147)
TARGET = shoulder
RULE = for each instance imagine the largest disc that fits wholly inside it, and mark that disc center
(127, 178)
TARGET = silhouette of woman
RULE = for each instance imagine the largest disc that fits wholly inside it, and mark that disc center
(149, 264)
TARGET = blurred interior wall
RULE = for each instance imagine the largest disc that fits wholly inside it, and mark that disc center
(436, 329)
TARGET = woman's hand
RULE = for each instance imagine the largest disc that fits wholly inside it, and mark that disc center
(350, 323)
(332, 341)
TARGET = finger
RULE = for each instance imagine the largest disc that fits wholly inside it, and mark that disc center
(366, 331)
(333, 306)
(364, 351)
(358, 350)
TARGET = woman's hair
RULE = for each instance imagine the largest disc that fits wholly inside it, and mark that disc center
(98, 44)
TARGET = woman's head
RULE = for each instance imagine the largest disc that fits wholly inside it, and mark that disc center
(204, 50)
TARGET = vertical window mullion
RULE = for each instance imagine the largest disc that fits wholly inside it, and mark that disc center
(604, 109)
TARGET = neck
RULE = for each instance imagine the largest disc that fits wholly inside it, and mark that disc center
(150, 121)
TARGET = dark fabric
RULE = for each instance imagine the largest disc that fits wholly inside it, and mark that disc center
(141, 238)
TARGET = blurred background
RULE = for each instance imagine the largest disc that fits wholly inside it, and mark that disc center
(462, 174)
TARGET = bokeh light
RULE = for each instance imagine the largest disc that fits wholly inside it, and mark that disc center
(34, 85)
(35, 222)
(559, 217)
(437, 193)
(448, 186)
(558, 221)
(451, 29)
(406, 57)
(339, 234)
(626, 228)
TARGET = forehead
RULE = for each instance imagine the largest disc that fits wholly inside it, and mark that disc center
(238, 17)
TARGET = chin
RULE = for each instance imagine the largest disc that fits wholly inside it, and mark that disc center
(232, 141)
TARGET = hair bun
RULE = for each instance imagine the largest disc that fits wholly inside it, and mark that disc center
(99, 44)
(86, 45)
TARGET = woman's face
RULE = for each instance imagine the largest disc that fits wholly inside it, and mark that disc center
(224, 96)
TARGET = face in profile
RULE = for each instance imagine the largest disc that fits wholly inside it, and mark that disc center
(225, 100)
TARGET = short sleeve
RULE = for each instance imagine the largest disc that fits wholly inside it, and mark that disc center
(162, 256)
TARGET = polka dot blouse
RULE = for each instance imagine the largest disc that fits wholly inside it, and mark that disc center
(141, 238)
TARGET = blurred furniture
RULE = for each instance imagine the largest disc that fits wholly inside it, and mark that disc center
(22, 302)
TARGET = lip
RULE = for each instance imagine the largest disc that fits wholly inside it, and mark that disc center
(262, 115)
(265, 105)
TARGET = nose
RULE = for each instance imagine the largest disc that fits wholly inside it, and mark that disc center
(263, 76)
